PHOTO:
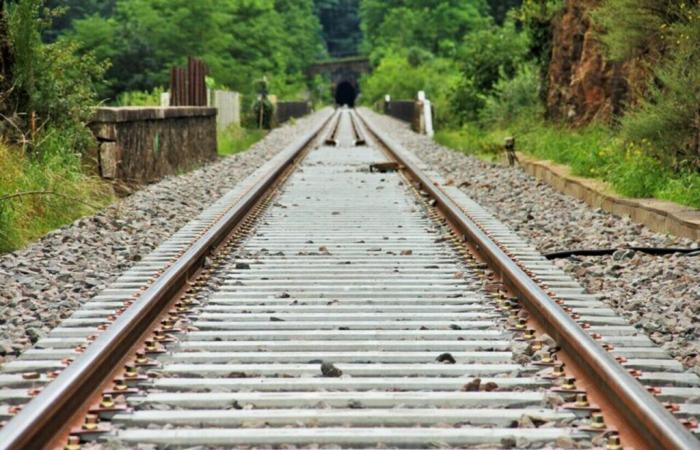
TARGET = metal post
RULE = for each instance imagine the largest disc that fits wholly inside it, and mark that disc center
(510, 151)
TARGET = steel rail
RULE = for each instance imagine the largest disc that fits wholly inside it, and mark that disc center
(647, 416)
(330, 137)
(38, 422)
(357, 131)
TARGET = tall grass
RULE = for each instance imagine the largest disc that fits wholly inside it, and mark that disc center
(42, 194)
(236, 139)
(593, 152)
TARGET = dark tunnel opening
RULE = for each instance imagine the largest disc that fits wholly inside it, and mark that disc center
(345, 94)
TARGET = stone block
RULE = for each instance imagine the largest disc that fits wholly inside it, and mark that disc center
(109, 157)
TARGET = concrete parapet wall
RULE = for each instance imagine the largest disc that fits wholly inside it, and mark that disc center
(658, 215)
(143, 145)
(285, 110)
(404, 110)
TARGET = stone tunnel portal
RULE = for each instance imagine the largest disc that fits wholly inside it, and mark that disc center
(345, 93)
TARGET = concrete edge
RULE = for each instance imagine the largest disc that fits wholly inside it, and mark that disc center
(133, 114)
(658, 215)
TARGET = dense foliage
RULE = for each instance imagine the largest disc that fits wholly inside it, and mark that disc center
(239, 40)
(53, 93)
(456, 51)
(664, 35)
(485, 65)
(340, 20)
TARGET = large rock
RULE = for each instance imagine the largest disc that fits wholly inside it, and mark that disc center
(583, 85)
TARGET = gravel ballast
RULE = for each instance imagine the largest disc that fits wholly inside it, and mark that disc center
(660, 295)
(45, 282)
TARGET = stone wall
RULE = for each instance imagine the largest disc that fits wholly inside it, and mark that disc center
(143, 145)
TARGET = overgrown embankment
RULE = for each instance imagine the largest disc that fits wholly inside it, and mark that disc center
(609, 87)
(45, 148)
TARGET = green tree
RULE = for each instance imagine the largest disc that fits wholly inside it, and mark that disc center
(634, 28)
(240, 40)
(397, 77)
(433, 25)
(486, 56)
(340, 20)
(500, 8)
(666, 123)
(53, 87)
(69, 11)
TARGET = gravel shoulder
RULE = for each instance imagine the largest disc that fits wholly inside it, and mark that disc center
(660, 295)
(45, 282)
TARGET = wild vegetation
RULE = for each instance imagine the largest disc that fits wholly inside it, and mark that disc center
(47, 100)
(485, 66)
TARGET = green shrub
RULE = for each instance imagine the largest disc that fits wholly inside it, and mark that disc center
(631, 28)
(397, 77)
(492, 53)
(514, 97)
(663, 36)
(43, 181)
(486, 56)
(684, 189)
(140, 98)
(54, 86)
(668, 117)
(638, 175)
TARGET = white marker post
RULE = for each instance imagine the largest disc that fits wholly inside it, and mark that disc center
(427, 114)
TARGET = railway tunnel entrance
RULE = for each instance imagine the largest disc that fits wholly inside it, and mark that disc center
(344, 75)
(345, 94)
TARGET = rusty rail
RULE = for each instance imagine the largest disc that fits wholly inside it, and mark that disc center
(644, 413)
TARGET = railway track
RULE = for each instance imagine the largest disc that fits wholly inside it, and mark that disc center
(345, 295)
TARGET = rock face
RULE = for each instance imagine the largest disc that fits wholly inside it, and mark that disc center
(583, 85)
